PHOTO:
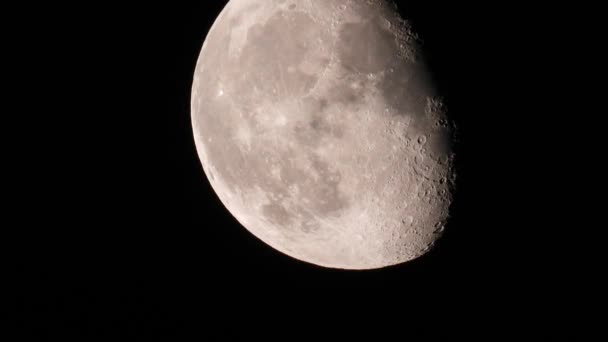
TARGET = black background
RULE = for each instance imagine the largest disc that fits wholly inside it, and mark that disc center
(129, 240)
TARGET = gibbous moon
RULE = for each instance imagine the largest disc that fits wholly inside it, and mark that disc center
(321, 131)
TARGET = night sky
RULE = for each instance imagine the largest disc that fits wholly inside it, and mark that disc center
(129, 240)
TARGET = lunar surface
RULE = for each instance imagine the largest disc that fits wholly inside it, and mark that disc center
(320, 130)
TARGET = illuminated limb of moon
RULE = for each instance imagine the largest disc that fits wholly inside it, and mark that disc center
(321, 132)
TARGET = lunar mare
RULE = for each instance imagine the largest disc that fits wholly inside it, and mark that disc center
(320, 130)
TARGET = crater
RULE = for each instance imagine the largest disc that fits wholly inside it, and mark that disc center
(309, 225)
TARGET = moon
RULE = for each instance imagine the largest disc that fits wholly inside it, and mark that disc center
(320, 130)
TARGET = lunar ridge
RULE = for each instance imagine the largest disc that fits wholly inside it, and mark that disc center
(320, 130)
